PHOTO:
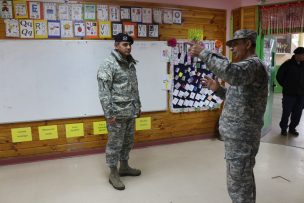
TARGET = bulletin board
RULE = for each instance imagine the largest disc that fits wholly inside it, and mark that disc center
(56, 79)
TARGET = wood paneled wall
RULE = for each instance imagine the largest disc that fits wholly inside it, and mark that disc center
(165, 125)
(245, 18)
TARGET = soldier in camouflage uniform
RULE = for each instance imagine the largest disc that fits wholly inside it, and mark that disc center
(241, 120)
(119, 97)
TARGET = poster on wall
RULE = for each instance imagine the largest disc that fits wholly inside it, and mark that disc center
(130, 29)
(91, 29)
(157, 15)
(67, 29)
(142, 30)
(116, 28)
(167, 16)
(89, 12)
(64, 12)
(114, 13)
(147, 15)
(26, 28)
(6, 9)
(40, 29)
(153, 31)
(50, 11)
(11, 28)
(125, 13)
(102, 12)
(187, 91)
(136, 15)
(79, 29)
(54, 29)
(177, 17)
(20, 9)
(76, 11)
(35, 10)
(105, 29)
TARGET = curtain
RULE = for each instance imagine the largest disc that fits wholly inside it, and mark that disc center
(282, 18)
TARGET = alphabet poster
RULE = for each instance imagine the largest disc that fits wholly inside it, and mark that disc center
(142, 30)
(50, 11)
(76, 10)
(136, 15)
(157, 15)
(11, 28)
(116, 28)
(91, 29)
(20, 9)
(54, 29)
(147, 15)
(26, 29)
(89, 12)
(6, 9)
(40, 29)
(35, 10)
(67, 29)
(79, 29)
(64, 12)
(102, 12)
(105, 29)
(114, 13)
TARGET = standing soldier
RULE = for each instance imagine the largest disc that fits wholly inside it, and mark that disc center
(119, 97)
(242, 116)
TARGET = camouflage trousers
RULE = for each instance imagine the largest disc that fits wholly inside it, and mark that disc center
(240, 161)
(120, 140)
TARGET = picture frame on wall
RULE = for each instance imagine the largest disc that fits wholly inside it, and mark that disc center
(40, 29)
(79, 28)
(26, 28)
(91, 29)
(167, 16)
(157, 15)
(64, 12)
(147, 15)
(153, 31)
(142, 30)
(54, 30)
(6, 11)
(130, 29)
(103, 12)
(116, 28)
(50, 11)
(177, 17)
(114, 12)
(20, 9)
(136, 14)
(105, 30)
(35, 10)
(283, 44)
(125, 13)
(89, 12)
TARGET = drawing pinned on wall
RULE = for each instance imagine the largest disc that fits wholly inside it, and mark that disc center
(142, 30)
(54, 29)
(26, 28)
(79, 28)
(125, 13)
(168, 16)
(21, 134)
(35, 10)
(130, 29)
(147, 15)
(50, 11)
(177, 17)
(136, 15)
(11, 28)
(67, 29)
(40, 29)
(157, 15)
(89, 12)
(103, 12)
(20, 9)
(64, 12)
(116, 28)
(76, 12)
(91, 29)
(114, 12)
(6, 9)
(105, 29)
(153, 31)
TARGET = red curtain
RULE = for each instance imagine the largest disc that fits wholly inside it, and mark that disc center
(282, 18)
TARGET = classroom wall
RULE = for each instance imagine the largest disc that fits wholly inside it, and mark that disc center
(166, 126)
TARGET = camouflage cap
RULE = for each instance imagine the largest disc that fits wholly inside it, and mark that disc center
(243, 34)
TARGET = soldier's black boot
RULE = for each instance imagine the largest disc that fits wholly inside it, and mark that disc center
(114, 179)
(126, 170)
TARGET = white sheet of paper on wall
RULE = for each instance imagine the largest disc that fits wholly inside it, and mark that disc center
(211, 104)
(177, 85)
(187, 86)
(176, 77)
(175, 92)
(180, 102)
(174, 101)
(196, 104)
(180, 94)
(191, 103)
(191, 87)
(192, 95)
(186, 103)
(201, 104)
(198, 96)
(186, 94)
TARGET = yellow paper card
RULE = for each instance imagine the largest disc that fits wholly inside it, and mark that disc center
(74, 130)
(143, 123)
(48, 132)
(180, 74)
(21, 134)
(105, 29)
(100, 127)
(40, 29)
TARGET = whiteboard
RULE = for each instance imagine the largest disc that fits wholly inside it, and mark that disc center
(56, 79)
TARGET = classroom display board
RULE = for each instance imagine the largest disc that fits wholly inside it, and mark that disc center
(56, 79)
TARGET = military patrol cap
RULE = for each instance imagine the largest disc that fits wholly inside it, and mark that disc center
(243, 34)
(122, 37)
(299, 50)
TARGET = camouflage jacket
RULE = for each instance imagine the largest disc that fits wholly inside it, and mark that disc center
(118, 86)
(245, 98)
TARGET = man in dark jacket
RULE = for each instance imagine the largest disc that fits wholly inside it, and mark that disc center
(291, 77)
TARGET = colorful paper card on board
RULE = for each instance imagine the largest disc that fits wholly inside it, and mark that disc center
(21, 134)
(40, 29)
(100, 127)
(74, 130)
(143, 123)
(48, 132)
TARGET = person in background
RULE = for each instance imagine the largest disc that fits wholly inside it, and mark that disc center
(119, 97)
(241, 120)
(291, 77)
